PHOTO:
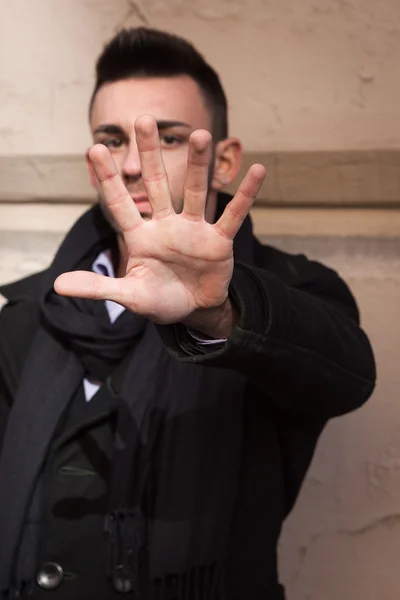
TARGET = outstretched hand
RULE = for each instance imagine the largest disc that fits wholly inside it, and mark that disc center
(179, 266)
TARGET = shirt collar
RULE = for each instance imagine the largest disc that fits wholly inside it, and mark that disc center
(103, 266)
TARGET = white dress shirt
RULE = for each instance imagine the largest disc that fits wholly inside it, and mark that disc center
(103, 266)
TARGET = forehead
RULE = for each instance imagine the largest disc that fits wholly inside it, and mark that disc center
(166, 98)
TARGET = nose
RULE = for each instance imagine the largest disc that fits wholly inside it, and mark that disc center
(131, 168)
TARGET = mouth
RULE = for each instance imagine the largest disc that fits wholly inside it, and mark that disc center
(142, 203)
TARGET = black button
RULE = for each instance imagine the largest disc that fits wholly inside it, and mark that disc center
(50, 576)
(123, 579)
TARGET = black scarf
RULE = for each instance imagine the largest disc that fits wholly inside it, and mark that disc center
(186, 418)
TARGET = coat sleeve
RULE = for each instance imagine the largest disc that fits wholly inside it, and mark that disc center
(298, 339)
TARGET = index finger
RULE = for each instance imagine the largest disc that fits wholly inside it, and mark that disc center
(115, 194)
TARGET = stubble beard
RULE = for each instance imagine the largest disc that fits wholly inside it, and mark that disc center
(107, 214)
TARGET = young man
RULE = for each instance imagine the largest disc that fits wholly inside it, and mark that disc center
(161, 405)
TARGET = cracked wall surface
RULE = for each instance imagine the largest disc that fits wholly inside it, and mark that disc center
(316, 74)
(341, 541)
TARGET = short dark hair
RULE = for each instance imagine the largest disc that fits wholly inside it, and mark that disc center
(143, 52)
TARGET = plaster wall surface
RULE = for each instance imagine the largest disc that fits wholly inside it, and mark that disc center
(316, 74)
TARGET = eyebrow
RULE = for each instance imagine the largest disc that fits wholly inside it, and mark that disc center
(161, 125)
(170, 124)
(111, 129)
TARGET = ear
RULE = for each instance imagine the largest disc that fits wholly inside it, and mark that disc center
(92, 175)
(227, 162)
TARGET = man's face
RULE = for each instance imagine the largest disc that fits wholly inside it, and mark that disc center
(178, 107)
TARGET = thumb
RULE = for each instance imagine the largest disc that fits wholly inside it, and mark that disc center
(84, 284)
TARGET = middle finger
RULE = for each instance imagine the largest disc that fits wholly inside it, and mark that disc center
(154, 175)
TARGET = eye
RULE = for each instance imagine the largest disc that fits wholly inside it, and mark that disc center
(113, 143)
(170, 140)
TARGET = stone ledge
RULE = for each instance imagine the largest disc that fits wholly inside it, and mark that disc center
(268, 221)
(348, 178)
(327, 222)
(22, 253)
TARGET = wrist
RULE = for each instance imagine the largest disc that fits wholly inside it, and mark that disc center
(215, 323)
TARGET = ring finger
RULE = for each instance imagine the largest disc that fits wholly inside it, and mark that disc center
(196, 183)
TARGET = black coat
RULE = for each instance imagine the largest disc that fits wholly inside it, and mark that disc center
(306, 359)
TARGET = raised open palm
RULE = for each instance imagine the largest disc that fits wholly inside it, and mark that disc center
(177, 263)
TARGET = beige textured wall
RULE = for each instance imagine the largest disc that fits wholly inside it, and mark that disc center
(301, 75)
(315, 74)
